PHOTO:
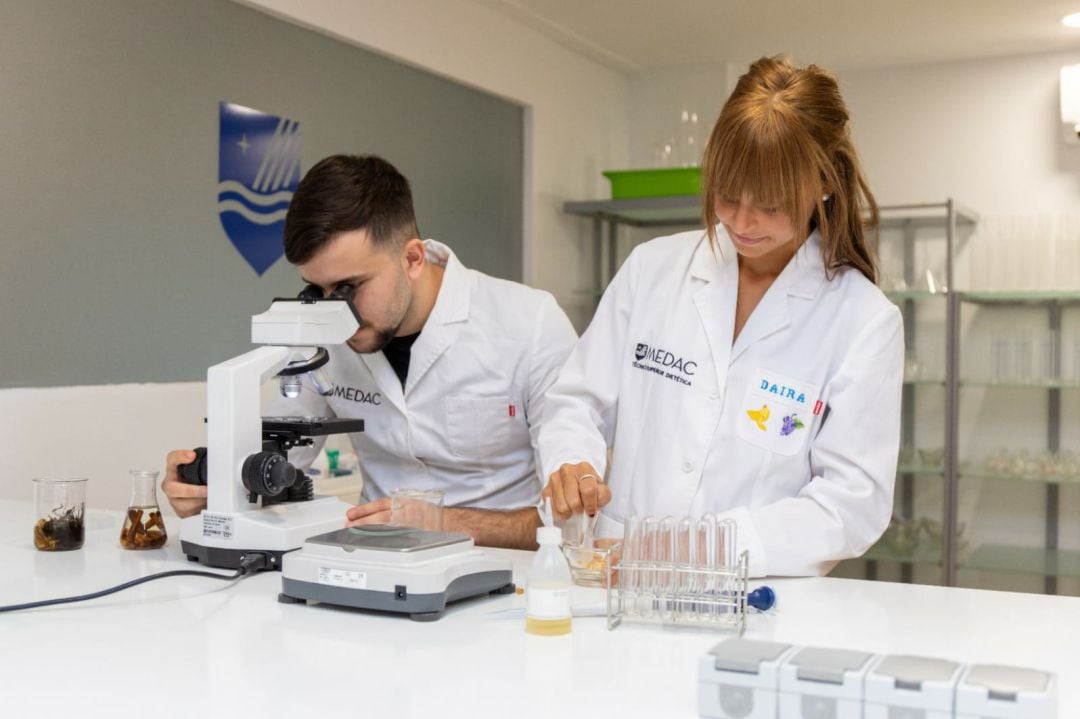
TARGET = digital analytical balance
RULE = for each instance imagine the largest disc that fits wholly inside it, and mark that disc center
(392, 569)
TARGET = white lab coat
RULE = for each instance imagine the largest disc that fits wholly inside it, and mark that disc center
(466, 421)
(809, 483)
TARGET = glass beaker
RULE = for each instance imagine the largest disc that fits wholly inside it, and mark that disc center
(419, 508)
(143, 527)
(60, 506)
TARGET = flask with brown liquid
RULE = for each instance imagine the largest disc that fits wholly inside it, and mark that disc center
(144, 527)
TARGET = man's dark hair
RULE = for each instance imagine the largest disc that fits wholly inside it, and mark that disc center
(343, 193)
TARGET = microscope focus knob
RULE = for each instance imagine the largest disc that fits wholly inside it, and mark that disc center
(268, 474)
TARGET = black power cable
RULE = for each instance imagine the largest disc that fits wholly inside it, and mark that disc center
(250, 564)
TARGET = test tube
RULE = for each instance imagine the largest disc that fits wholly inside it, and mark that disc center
(708, 588)
(1023, 358)
(727, 582)
(666, 588)
(1049, 371)
(684, 565)
(1076, 358)
(727, 547)
(629, 578)
(649, 541)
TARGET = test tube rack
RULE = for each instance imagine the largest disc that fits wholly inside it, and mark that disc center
(679, 572)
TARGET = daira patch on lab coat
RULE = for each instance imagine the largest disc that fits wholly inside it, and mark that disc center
(777, 410)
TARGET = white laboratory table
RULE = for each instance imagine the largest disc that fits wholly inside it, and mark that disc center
(203, 648)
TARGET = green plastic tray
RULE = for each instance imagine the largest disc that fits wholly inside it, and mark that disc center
(661, 182)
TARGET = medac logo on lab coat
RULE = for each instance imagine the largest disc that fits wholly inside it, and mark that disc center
(664, 363)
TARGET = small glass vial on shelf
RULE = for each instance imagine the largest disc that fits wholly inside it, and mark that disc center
(548, 587)
(144, 527)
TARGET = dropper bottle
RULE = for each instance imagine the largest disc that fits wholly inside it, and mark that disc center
(548, 587)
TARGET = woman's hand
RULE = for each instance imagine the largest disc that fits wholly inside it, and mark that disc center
(576, 488)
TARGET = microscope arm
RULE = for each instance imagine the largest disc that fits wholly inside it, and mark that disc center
(234, 420)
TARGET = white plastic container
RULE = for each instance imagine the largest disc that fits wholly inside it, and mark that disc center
(547, 593)
(818, 683)
(738, 679)
(907, 686)
(993, 691)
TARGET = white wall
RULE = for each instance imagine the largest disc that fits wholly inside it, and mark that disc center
(658, 97)
(985, 132)
(577, 115)
(96, 432)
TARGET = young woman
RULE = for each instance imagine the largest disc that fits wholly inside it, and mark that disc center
(753, 370)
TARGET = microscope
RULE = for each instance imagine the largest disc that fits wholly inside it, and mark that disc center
(258, 501)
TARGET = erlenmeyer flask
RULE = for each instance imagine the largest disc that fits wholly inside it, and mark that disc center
(144, 527)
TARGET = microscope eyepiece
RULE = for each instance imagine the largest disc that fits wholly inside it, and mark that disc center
(343, 292)
(314, 292)
(311, 292)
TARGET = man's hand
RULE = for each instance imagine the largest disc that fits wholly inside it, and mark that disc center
(377, 512)
(186, 499)
(576, 488)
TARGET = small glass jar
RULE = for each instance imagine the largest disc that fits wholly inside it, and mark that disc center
(418, 508)
(143, 527)
(60, 505)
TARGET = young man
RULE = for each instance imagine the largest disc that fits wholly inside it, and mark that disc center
(448, 369)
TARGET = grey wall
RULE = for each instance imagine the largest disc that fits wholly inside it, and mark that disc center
(114, 266)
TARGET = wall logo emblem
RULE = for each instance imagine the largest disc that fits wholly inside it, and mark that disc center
(258, 170)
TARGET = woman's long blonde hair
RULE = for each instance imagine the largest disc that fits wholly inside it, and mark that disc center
(783, 139)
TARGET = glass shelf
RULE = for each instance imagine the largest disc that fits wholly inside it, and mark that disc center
(1017, 384)
(1022, 297)
(901, 295)
(920, 469)
(921, 554)
(940, 381)
(933, 215)
(1023, 560)
(673, 211)
(1027, 478)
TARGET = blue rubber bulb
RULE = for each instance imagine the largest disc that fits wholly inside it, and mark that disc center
(763, 598)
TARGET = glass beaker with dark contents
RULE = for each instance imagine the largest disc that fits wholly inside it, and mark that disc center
(60, 506)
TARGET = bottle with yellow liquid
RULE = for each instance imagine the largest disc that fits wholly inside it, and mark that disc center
(548, 587)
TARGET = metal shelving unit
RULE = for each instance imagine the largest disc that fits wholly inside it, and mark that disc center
(676, 211)
(908, 223)
(1050, 561)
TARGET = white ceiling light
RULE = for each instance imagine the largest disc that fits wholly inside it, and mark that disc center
(1071, 20)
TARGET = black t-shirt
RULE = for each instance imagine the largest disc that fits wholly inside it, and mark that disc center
(398, 351)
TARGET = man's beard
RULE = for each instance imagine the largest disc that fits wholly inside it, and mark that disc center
(383, 337)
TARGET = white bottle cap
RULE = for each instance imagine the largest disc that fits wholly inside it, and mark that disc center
(549, 535)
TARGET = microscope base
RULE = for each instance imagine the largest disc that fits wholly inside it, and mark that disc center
(219, 539)
(227, 558)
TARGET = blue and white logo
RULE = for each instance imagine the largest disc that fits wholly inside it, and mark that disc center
(258, 170)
